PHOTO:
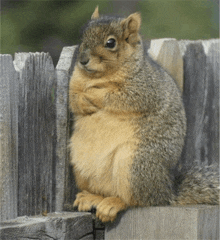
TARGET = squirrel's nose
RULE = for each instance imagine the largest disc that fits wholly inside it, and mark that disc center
(84, 61)
(84, 57)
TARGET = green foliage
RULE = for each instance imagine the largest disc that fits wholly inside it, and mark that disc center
(180, 19)
(26, 25)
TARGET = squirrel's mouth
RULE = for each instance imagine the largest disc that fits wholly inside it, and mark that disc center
(86, 68)
(89, 70)
(92, 69)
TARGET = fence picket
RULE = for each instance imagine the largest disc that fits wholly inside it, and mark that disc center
(201, 96)
(36, 133)
(8, 138)
(65, 188)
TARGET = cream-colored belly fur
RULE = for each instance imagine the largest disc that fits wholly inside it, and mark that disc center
(102, 149)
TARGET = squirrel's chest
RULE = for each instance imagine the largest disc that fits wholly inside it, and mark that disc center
(96, 140)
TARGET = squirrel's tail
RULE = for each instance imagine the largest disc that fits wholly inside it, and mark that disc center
(197, 185)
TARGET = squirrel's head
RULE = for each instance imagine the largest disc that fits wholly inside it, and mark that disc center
(108, 43)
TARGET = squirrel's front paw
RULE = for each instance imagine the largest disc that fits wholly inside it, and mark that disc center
(85, 201)
(108, 208)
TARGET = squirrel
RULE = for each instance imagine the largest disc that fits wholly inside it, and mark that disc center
(129, 127)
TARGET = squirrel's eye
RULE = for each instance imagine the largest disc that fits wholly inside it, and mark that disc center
(111, 43)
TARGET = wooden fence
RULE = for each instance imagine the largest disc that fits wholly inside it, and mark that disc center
(35, 125)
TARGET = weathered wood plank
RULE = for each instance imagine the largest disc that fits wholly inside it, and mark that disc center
(60, 226)
(8, 138)
(195, 222)
(65, 187)
(201, 99)
(36, 133)
(213, 72)
(167, 53)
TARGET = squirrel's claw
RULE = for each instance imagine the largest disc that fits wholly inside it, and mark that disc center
(85, 201)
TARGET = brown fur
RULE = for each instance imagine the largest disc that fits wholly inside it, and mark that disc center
(103, 142)
(129, 121)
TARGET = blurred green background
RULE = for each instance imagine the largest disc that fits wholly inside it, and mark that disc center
(48, 26)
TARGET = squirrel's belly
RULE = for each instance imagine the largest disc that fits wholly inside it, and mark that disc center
(102, 149)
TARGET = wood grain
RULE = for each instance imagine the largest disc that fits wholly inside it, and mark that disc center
(165, 223)
(65, 184)
(167, 53)
(8, 138)
(36, 133)
(60, 226)
(201, 99)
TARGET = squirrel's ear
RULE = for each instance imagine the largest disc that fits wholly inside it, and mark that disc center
(95, 15)
(132, 23)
